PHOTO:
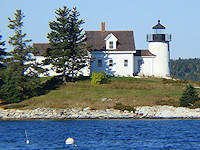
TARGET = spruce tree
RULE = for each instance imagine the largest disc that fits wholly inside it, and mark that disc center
(21, 75)
(2, 52)
(67, 43)
(2, 55)
(189, 96)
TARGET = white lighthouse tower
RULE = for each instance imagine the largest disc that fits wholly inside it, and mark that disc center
(159, 46)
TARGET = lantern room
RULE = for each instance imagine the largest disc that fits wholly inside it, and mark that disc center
(158, 34)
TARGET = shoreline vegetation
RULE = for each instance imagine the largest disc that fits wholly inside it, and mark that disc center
(148, 98)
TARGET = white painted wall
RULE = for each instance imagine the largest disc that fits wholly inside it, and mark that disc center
(118, 57)
(39, 59)
(151, 65)
(146, 67)
(161, 61)
(84, 71)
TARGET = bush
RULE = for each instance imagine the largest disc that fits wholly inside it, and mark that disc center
(1, 82)
(188, 97)
(123, 107)
(98, 78)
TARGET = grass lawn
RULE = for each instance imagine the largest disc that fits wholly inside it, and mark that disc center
(128, 91)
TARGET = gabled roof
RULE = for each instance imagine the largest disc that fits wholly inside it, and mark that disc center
(143, 53)
(158, 26)
(109, 36)
(125, 42)
(41, 47)
(96, 39)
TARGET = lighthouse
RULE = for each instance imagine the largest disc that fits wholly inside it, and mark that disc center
(159, 46)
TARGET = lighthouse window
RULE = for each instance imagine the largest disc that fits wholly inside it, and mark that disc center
(159, 31)
(125, 63)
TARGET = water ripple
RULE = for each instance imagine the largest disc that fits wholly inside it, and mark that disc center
(101, 134)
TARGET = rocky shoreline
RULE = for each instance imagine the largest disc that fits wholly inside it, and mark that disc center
(151, 112)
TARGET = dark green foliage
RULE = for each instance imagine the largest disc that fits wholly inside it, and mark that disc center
(188, 97)
(186, 69)
(123, 107)
(50, 84)
(67, 43)
(2, 52)
(98, 78)
(20, 79)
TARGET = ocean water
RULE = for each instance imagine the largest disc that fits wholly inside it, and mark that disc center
(101, 134)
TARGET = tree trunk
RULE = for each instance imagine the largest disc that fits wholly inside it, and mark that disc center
(72, 76)
(64, 79)
(72, 69)
(64, 76)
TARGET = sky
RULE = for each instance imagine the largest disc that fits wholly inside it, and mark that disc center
(180, 17)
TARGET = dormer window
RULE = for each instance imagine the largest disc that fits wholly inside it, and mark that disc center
(111, 42)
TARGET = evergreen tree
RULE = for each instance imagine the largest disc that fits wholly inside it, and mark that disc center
(67, 43)
(2, 52)
(20, 77)
(189, 96)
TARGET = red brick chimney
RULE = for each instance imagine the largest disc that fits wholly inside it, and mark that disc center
(102, 26)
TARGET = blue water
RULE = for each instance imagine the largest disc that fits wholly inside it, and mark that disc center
(101, 134)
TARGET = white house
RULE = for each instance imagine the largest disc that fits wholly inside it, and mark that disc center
(114, 53)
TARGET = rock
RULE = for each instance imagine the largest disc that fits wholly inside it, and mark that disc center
(140, 74)
(197, 109)
(104, 99)
(126, 111)
(87, 113)
(87, 108)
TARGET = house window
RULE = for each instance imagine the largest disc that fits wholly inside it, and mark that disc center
(125, 63)
(111, 62)
(111, 44)
(99, 63)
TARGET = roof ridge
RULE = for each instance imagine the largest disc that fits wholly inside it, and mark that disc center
(112, 31)
(40, 43)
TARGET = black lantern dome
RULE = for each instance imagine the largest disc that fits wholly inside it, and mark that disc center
(159, 34)
(158, 26)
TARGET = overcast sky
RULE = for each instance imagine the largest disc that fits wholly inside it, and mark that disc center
(180, 17)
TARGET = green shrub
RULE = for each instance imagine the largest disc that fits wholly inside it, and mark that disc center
(188, 97)
(123, 107)
(98, 78)
(1, 82)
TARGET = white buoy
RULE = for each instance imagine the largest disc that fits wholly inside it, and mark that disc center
(69, 141)
(27, 141)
